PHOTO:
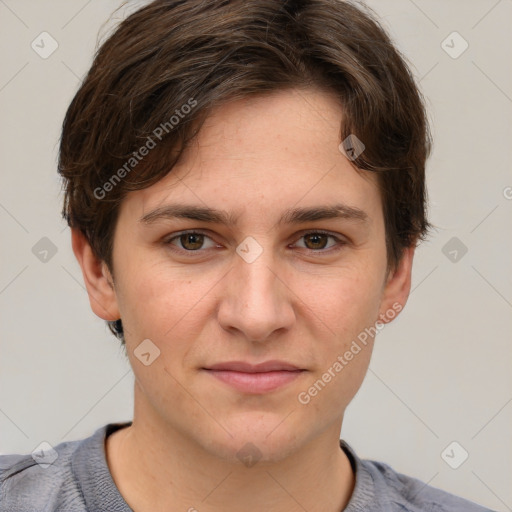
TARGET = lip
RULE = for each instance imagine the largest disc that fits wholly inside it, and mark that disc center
(255, 379)
(242, 366)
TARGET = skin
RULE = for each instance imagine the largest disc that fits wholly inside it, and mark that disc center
(300, 301)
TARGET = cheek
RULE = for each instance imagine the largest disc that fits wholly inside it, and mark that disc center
(348, 308)
(166, 306)
(349, 303)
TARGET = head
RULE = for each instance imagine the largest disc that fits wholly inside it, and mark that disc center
(217, 210)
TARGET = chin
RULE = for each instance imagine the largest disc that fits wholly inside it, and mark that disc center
(256, 437)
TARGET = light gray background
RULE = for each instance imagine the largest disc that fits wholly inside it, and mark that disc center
(440, 373)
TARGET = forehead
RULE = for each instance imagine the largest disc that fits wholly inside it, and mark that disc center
(273, 151)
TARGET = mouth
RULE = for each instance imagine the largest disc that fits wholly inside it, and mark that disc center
(255, 379)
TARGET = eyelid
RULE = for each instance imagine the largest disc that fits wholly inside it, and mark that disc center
(173, 236)
(340, 241)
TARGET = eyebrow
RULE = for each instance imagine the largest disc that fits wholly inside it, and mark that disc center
(290, 216)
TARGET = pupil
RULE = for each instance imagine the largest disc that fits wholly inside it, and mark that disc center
(192, 241)
(316, 240)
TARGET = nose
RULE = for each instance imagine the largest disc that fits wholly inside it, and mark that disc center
(256, 301)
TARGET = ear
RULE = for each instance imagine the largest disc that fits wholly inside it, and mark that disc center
(97, 278)
(397, 287)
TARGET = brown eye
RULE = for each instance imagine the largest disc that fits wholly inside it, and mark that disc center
(192, 241)
(320, 242)
(189, 242)
(316, 240)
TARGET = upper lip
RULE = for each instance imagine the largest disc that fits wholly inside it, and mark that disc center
(266, 366)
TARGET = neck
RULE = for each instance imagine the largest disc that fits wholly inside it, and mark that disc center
(154, 465)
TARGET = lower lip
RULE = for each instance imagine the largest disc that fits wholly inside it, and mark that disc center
(255, 382)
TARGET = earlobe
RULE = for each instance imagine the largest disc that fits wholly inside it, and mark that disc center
(397, 287)
(97, 278)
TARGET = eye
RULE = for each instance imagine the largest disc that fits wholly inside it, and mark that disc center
(195, 241)
(319, 240)
(191, 241)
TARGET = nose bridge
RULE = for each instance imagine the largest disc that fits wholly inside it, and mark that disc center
(256, 302)
(252, 267)
(256, 282)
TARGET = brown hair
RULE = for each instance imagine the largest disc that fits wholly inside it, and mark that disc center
(156, 78)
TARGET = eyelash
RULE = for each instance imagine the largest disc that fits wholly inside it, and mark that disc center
(339, 242)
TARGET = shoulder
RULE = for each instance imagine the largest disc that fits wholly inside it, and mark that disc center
(43, 480)
(410, 494)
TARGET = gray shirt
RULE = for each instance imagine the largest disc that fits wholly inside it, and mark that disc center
(79, 480)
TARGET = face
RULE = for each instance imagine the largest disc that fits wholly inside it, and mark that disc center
(263, 244)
